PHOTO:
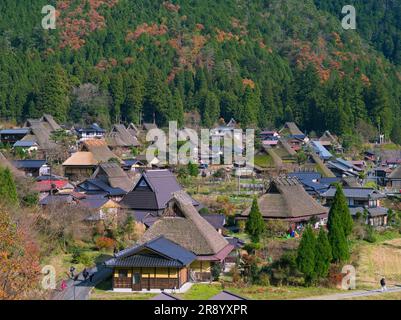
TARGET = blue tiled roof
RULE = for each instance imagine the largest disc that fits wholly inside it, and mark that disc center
(24, 144)
(321, 150)
(359, 193)
(171, 255)
(14, 131)
(103, 186)
(29, 164)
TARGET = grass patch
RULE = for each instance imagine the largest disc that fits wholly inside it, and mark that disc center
(264, 161)
(206, 291)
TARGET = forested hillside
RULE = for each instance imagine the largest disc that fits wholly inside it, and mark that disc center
(262, 62)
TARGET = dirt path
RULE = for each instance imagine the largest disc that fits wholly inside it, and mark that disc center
(353, 294)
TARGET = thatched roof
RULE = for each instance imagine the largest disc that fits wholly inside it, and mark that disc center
(112, 174)
(182, 224)
(81, 159)
(41, 130)
(287, 199)
(99, 149)
(7, 164)
(396, 174)
(120, 136)
(292, 129)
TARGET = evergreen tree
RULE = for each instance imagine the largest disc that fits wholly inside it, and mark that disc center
(8, 190)
(176, 109)
(340, 207)
(323, 255)
(117, 94)
(306, 257)
(339, 226)
(255, 225)
(211, 109)
(132, 106)
(53, 97)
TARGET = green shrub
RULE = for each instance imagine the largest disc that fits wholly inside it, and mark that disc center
(81, 257)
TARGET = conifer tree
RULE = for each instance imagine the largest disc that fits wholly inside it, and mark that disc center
(306, 255)
(340, 207)
(323, 254)
(339, 227)
(255, 225)
(8, 190)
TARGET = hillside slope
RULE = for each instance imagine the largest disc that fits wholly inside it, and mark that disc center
(263, 62)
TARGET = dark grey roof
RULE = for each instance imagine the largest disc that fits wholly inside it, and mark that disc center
(216, 220)
(101, 186)
(166, 254)
(29, 164)
(161, 184)
(356, 193)
(25, 144)
(146, 261)
(373, 212)
(15, 131)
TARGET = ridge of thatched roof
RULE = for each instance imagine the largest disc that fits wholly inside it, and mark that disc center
(121, 137)
(41, 130)
(99, 149)
(182, 224)
(287, 199)
(81, 158)
(114, 175)
(396, 174)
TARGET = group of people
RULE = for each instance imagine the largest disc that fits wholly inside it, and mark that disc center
(72, 275)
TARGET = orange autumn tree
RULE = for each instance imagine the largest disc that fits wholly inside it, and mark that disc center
(19, 260)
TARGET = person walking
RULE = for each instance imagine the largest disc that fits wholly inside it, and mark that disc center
(383, 284)
(91, 277)
(63, 285)
(85, 274)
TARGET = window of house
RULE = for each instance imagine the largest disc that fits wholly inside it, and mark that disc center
(122, 273)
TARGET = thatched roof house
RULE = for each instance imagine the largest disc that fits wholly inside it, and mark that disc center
(287, 200)
(41, 130)
(394, 178)
(182, 224)
(112, 174)
(121, 137)
(99, 149)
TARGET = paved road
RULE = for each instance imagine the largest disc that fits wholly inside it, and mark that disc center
(80, 289)
(353, 294)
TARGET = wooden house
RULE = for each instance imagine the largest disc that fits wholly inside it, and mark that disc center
(394, 179)
(158, 264)
(286, 200)
(120, 140)
(152, 192)
(362, 200)
(182, 224)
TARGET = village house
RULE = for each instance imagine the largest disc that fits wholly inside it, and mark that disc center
(93, 131)
(394, 179)
(108, 180)
(41, 131)
(32, 168)
(28, 146)
(181, 223)
(330, 142)
(313, 182)
(286, 200)
(11, 136)
(83, 163)
(343, 168)
(157, 264)
(46, 185)
(152, 192)
(120, 140)
(133, 165)
(321, 151)
(362, 200)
